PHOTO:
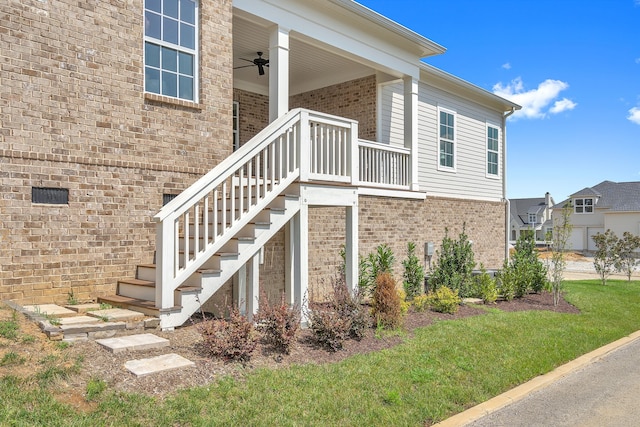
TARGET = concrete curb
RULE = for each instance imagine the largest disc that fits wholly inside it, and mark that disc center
(537, 383)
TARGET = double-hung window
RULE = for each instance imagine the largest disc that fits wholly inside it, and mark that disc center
(447, 140)
(492, 151)
(583, 205)
(170, 48)
(533, 218)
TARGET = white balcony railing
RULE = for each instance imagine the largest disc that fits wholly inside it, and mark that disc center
(382, 165)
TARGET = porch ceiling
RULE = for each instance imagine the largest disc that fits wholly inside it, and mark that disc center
(311, 64)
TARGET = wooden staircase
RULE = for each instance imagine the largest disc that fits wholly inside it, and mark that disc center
(139, 293)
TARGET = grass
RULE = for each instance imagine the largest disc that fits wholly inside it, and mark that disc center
(439, 371)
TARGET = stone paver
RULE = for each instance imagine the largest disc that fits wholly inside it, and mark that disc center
(52, 310)
(117, 314)
(78, 320)
(133, 343)
(83, 308)
(162, 363)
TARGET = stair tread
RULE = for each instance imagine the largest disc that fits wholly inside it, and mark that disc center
(138, 282)
(119, 299)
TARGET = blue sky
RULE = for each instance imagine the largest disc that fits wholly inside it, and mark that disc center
(573, 65)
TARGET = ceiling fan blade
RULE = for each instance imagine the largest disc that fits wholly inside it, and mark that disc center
(248, 60)
(242, 66)
(260, 70)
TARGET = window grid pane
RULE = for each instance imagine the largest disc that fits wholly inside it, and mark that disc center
(170, 58)
(492, 151)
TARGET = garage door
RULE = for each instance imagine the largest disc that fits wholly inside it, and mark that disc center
(592, 232)
(575, 240)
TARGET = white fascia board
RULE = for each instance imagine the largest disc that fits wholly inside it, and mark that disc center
(355, 36)
(443, 80)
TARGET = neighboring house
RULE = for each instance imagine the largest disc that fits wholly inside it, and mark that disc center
(110, 110)
(531, 214)
(609, 205)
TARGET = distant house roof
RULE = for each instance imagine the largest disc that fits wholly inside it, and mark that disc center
(614, 196)
(521, 208)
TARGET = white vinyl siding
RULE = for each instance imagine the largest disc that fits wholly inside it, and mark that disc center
(470, 180)
(391, 120)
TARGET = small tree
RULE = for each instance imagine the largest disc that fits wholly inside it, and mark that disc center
(413, 273)
(628, 259)
(606, 256)
(455, 265)
(561, 232)
(376, 263)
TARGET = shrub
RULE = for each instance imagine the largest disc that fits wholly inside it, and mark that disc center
(233, 339)
(505, 282)
(343, 317)
(329, 328)
(455, 264)
(404, 304)
(486, 287)
(528, 271)
(421, 303)
(349, 306)
(444, 300)
(278, 323)
(413, 273)
(381, 261)
(387, 310)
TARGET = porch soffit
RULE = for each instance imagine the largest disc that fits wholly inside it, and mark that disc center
(329, 43)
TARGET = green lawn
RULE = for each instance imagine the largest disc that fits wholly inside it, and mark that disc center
(443, 369)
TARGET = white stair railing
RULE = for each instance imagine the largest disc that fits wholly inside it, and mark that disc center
(300, 144)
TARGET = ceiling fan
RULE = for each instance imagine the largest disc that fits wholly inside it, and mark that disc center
(260, 62)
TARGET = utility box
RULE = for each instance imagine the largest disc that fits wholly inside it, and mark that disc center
(428, 249)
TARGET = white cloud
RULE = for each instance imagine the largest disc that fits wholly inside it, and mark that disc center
(535, 102)
(634, 114)
(638, 59)
(507, 66)
(563, 105)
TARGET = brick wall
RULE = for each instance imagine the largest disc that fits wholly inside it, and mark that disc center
(73, 115)
(398, 221)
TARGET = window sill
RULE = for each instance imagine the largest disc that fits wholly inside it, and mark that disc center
(173, 101)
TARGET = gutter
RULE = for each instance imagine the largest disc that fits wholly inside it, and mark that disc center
(507, 206)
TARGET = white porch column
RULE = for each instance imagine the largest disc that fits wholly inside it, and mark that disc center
(240, 289)
(301, 259)
(278, 72)
(253, 285)
(411, 125)
(351, 247)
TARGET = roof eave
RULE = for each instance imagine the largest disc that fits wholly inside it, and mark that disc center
(426, 46)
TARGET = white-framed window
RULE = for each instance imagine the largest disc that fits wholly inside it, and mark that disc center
(446, 139)
(236, 125)
(493, 148)
(583, 205)
(171, 48)
(533, 218)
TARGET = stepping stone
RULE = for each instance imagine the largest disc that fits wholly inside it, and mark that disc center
(52, 310)
(117, 314)
(162, 363)
(83, 308)
(78, 320)
(472, 301)
(133, 343)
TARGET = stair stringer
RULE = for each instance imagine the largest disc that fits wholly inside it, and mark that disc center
(213, 279)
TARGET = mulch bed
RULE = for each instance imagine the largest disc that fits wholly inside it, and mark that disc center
(99, 363)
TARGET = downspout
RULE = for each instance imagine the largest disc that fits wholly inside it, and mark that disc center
(507, 214)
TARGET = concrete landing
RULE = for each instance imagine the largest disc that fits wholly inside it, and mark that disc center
(133, 343)
(52, 310)
(162, 363)
(117, 314)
